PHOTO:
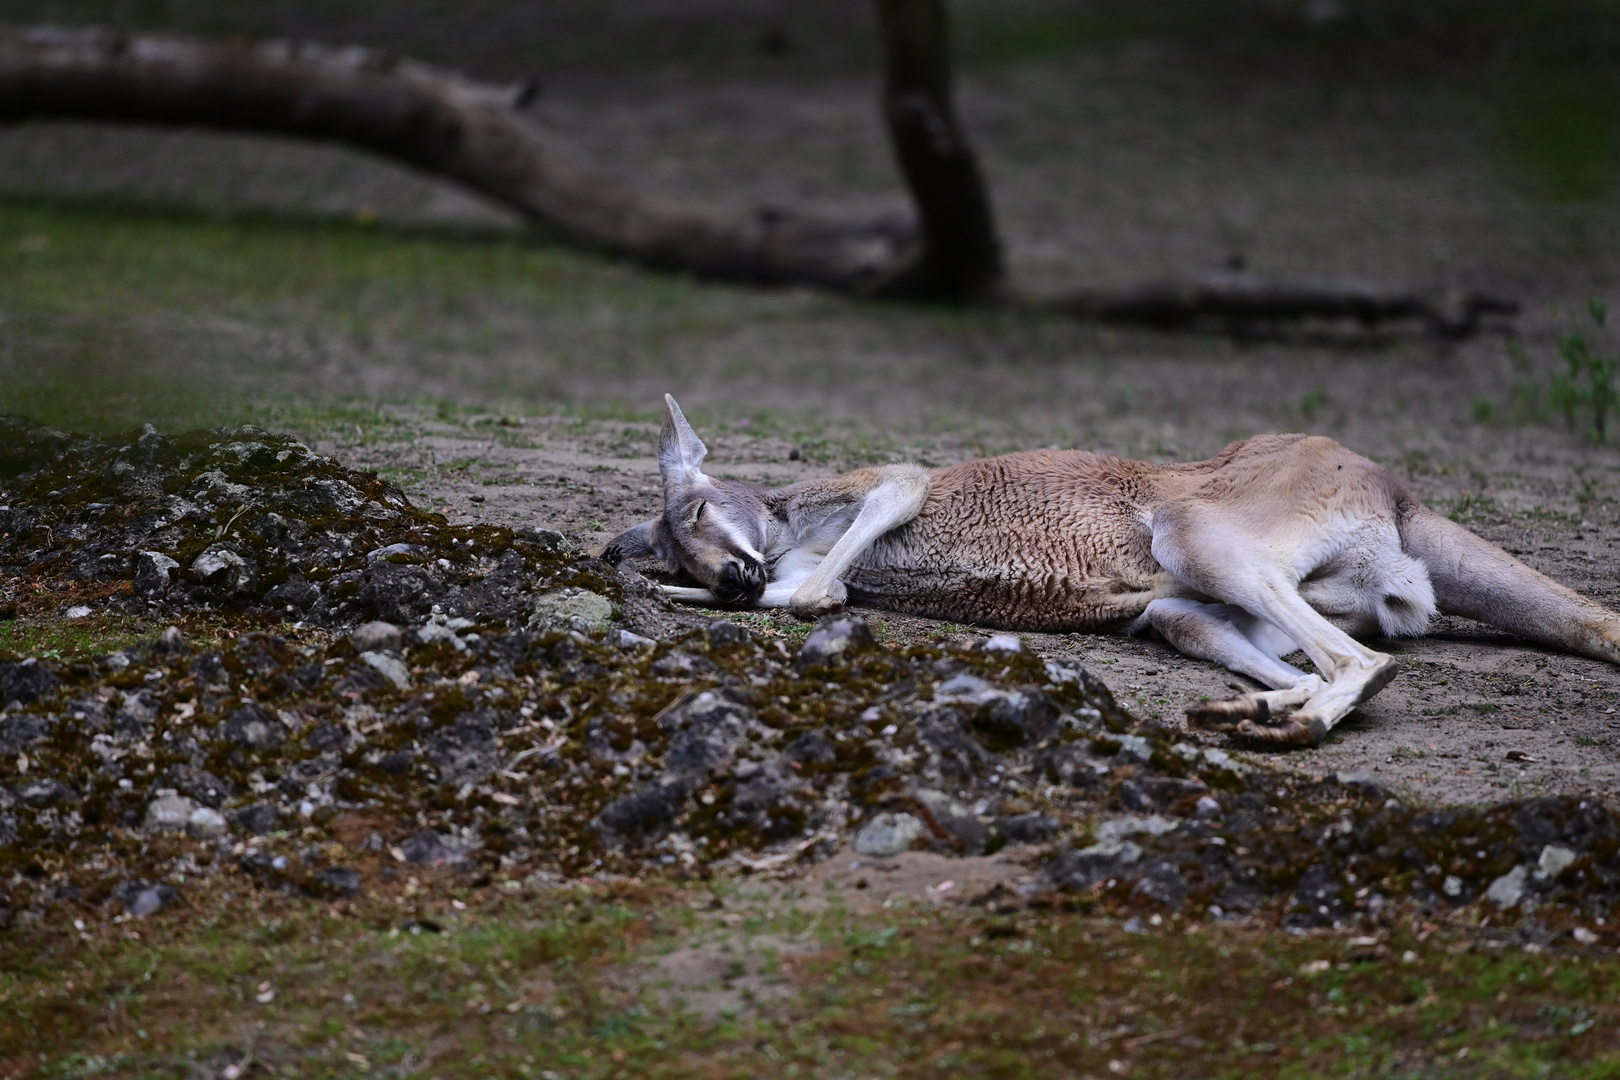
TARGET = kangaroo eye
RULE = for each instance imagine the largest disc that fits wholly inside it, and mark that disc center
(697, 517)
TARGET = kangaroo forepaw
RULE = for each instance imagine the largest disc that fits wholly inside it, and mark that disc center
(1227, 714)
(1282, 736)
(815, 609)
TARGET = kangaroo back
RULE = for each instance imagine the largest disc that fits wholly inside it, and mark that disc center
(1478, 580)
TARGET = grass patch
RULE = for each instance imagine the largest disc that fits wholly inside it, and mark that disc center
(516, 983)
(63, 639)
(109, 319)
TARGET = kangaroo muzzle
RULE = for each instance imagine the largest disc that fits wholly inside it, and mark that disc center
(740, 582)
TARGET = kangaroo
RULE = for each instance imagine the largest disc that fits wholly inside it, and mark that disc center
(1279, 543)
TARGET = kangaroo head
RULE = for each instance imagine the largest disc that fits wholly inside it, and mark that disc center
(714, 530)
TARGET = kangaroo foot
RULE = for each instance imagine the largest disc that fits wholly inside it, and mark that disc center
(1317, 715)
(1280, 736)
(815, 609)
(1379, 679)
(1227, 714)
(1262, 708)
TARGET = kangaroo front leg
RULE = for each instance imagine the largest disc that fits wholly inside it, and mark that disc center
(683, 594)
(896, 500)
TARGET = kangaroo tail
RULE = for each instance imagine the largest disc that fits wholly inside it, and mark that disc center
(1476, 579)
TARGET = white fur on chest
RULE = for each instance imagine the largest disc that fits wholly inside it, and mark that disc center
(798, 547)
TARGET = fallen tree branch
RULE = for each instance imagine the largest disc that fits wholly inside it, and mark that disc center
(1238, 301)
(479, 135)
(437, 121)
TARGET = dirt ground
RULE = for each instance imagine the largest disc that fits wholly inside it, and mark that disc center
(1474, 717)
(1112, 163)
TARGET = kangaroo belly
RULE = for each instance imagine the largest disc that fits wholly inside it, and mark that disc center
(1049, 540)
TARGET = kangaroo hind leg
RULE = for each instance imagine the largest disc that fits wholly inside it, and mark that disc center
(1478, 580)
(1239, 642)
(1231, 562)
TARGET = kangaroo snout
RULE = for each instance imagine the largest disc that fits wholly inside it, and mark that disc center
(741, 582)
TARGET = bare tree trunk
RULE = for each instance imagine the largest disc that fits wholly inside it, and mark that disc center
(961, 257)
(437, 121)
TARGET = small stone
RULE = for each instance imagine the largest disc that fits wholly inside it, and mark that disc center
(888, 834)
(722, 633)
(1134, 748)
(1008, 643)
(1507, 890)
(221, 567)
(1117, 829)
(253, 727)
(1118, 852)
(26, 680)
(258, 819)
(79, 611)
(169, 813)
(835, 638)
(634, 641)
(325, 737)
(1583, 936)
(141, 899)
(406, 554)
(204, 824)
(171, 642)
(44, 792)
(152, 570)
(375, 637)
(1206, 807)
(571, 609)
(1222, 761)
(1361, 783)
(336, 881)
(391, 668)
(1554, 861)
(1452, 886)
(429, 849)
(1031, 828)
(969, 832)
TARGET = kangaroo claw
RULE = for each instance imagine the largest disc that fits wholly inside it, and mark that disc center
(1227, 714)
(1290, 733)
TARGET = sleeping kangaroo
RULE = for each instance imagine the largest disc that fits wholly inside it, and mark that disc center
(1278, 543)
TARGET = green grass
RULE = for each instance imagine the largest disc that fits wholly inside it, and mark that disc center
(997, 36)
(58, 639)
(112, 318)
(1560, 129)
(518, 983)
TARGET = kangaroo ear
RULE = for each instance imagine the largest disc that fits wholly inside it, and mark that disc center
(641, 542)
(680, 451)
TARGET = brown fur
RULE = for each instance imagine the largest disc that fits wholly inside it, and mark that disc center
(1279, 542)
